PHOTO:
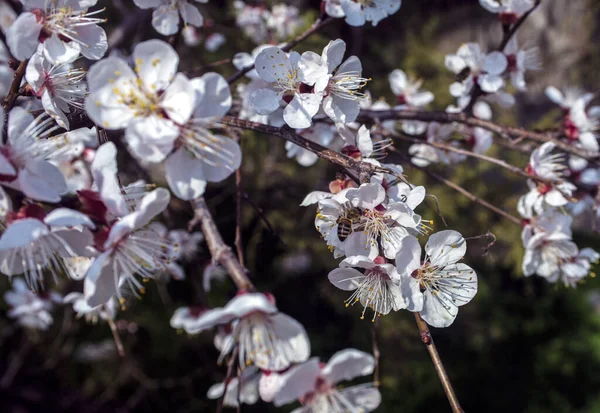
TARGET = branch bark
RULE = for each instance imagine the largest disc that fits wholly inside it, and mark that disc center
(427, 339)
(356, 169)
(218, 249)
(13, 93)
(367, 116)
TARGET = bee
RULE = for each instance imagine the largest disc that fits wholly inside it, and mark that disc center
(463, 74)
(345, 221)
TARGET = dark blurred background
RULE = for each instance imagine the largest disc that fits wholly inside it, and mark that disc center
(522, 345)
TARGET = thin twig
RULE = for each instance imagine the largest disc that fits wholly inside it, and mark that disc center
(376, 353)
(13, 94)
(238, 211)
(116, 337)
(318, 25)
(354, 168)
(473, 197)
(367, 116)
(513, 30)
(507, 35)
(219, 251)
(490, 159)
(427, 339)
(228, 378)
(487, 248)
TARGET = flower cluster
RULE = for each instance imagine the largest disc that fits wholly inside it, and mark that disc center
(273, 350)
(262, 25)
(358, 12)
(304, 84)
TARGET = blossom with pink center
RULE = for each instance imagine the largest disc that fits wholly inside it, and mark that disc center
(35, 241)
(377, 288)
(315, 384)
(438, 284)
(265, 337)
(64, 28)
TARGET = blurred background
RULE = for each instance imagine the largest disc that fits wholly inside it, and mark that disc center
(522, 345)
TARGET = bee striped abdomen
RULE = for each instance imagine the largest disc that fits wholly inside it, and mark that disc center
(344, 228)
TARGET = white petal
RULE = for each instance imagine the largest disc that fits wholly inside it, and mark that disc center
(445, 247)
(299, 112)
(334, 53)
(151, 138)
(165, 20)
(23, 36)
(181, 175)
(347, 365)
(22, 232)
(298, 382)
(341, 110)
(272, 64)
(156, 64)
(66, 217)
(495, 63)
(347, 279)
(42, 181)
(398, 82)
(314, 197)
(57, 51)
(104, 171)
(213, 96)
(191, 15)
(101, 282)
(178, 100)
(292, 342)
(94, 39)
(264, 101)
(490, 83)
(364, 142)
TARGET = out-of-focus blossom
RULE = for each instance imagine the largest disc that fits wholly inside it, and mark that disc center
(165, 17)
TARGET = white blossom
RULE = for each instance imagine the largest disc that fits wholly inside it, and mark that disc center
(438, 285)
(377, 287)
(165, 17)
(64, 28)
(31, 310)
(315, 385)
(478, 67)
(61, 89)
(265, 337)
(286, 78)
(358, 12)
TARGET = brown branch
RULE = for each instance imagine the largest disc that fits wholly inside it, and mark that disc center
(511, 32)
(427, 339)
(116, 337)
(228, 378)
(376, 352)
(317, 25)
(353, 167)
(508, 34)
(218, 249)
(490, 159)
(471, 196)
(238, 211)
(367, 116)
(13, 93)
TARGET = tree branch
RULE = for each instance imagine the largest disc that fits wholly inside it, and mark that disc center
(355, 168)
(367, 116)
(13, 93)
(490, 159)
(218, 249)
(471, 196)
(427, 339)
